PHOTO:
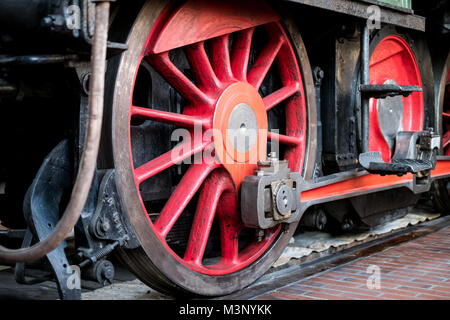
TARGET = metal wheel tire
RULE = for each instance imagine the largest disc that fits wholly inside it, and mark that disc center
(441, 190)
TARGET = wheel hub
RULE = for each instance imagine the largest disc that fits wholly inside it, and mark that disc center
(240, 130)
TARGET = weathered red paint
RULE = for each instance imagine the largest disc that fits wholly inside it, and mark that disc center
(239, 165)
(199, 20)
(221, 80)
(393, 59)
(368, 182)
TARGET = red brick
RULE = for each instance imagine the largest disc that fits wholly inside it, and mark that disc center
(427, 291)
(268, 297)
(336, 282)
(408, 273)
(350, 295)
(415, 270)
(285, 296)
(310, 288)
(401, 292)
(392, 282)
(390, 296)
(293, 291)
(434, 282)
(324, 296)
(369, 293)
(427, 269)
(430, 297)
(440, 287)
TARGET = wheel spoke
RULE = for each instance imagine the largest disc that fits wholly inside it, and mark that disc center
(176, 78)
(263, 63)
(230, 226)
(446, 139)
(211, 192)
(176, 119)
(387, 57)
(201, 67)
(186, 189)
(241, 53)
(179, 153)
(220, 58)
(283, 139)
(281, 95)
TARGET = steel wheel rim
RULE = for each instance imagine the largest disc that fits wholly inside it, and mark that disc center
(394, 60)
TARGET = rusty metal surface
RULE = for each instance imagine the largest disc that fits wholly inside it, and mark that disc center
(389, 15)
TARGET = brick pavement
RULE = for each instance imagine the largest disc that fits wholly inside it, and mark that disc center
(416, 270)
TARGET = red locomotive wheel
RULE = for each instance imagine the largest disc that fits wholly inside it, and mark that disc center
(393, 62)
(202, 65)
(446, 117)
(442, 187)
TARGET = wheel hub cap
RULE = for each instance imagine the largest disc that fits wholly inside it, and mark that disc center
(240, 130)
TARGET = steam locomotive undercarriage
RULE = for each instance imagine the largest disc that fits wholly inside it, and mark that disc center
(226, 125)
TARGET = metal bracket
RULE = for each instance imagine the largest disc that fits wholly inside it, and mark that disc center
(89, 21)
(19, 270)
(382, 91)
(41, 209)
(389, 14)
(271, 196)
(415, 152)
(108, 223)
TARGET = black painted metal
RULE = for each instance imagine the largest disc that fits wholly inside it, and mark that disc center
(23, 14)
(318, 75)
(365, 80)
(42, 212)
(389, 15)
(13, 234)
(415, 152)
(381, 91)
(11, 60)
(19, 270)
(374, 163)
(378, 208)
(108, 223)
(338, 54)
